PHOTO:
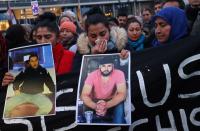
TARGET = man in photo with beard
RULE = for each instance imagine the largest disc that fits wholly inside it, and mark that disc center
(105, 90)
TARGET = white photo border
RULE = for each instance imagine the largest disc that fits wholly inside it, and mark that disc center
(129, 91)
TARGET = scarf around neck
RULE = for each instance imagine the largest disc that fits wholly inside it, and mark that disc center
(138, 44)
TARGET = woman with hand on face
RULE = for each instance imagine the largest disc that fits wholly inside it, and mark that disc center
(170, 25)
(135, 36)
(99, 39)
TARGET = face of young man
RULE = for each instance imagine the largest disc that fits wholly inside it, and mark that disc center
(122, 21)
(157, 7)
(34, 62)
(146, 16)
(106, 69)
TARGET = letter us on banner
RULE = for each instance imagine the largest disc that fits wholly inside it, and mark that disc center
(165, 87)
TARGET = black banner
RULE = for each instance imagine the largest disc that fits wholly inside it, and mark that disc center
(164, 87)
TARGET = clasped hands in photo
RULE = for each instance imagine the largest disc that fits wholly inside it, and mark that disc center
(101, 108)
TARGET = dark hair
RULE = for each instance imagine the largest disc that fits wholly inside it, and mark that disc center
(96, 19)
(147, 9)
(51, 26)
(181, 3)
(31, 34)
(47, 16)
(157, 2)
(106, 60)
(132, 20)
(33, 55)
(3, 48)
(122, 12)
(94, 10)
(15, 36)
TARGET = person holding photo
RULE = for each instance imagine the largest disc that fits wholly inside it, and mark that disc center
(105, 90)
(28, 87)
(48, 32)
(99, 38)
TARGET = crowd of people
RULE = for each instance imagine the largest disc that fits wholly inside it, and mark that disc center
(97, 34)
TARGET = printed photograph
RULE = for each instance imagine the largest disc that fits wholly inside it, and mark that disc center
(104, 91)
(32, 92)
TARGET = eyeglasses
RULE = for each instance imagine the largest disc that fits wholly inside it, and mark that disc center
(47, 36)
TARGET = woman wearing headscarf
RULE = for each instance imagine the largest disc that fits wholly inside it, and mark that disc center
(170, 25)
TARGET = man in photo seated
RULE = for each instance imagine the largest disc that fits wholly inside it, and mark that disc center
(28, 86)
(105, 90)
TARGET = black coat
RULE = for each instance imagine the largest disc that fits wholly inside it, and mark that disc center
(33, 81)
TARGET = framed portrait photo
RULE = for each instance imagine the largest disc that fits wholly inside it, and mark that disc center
(104, 96)
(32, 93)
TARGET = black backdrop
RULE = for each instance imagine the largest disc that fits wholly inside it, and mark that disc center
(164, 87)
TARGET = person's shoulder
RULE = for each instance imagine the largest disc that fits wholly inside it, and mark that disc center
(73, 48)
(22, 72)
(26, 70)
(118, 72)
(42, 69)
(68, 56)
(119, 35)
(69, 53)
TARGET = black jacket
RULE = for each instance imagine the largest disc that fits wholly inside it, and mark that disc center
(32, 81)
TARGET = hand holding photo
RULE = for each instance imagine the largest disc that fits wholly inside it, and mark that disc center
(32, 92)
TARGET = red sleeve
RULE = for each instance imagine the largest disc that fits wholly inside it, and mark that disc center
(66, 62)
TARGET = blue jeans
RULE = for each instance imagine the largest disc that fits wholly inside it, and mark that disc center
(114, 115)
(118, 114)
